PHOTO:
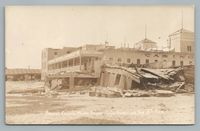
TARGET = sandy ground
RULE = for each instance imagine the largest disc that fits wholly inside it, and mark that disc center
(83, 109)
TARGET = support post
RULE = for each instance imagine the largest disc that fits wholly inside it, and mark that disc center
(73, 61)
(71, 82)
(80, 59)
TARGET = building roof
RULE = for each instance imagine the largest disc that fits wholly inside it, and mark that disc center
(22, 71)
(145, 41)
(182, 30)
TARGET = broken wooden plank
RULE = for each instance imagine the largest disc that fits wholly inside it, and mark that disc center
(180, 86)
(156, 73)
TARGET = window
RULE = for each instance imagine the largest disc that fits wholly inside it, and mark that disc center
(147, 61)
(156, 60)
(55, 53)
(110, 58)
(164, 60)
(128, 60)
(59, 65)
(138, 61)
(173, 63)
(65, 63)
(165, 56)
(85, 66)
(156, 55)
(189, 48)
(119, 59)
(147, 55)
(117, 79)
(181, 63)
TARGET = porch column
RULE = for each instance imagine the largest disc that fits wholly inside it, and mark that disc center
(73, 61)
(67, 63)
(71, 82)
(80, 60)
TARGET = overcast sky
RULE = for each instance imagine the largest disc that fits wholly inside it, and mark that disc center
(29, 29)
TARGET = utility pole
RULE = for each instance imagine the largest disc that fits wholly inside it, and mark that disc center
(145, 31)
(181, 18)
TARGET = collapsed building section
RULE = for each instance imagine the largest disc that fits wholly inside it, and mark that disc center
(140, 78)
(117, 81)
(144, 78)
(125, 78)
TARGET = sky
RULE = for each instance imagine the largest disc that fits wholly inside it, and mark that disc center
(29, 29)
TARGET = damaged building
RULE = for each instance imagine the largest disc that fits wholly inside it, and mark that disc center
(127, 68)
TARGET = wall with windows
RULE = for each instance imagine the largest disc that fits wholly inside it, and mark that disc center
(169, 59)
(182, 41)
(187, 42)
(49, 54)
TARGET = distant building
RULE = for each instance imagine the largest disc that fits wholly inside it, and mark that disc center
(23, 74)
(146, 44)
(182, 41)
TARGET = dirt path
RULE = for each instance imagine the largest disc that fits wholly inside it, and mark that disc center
(78, 109)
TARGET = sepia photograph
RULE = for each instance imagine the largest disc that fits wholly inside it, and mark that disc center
(103, 65)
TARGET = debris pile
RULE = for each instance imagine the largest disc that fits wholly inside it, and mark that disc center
(135, 82)
(112, 92)
(105, 92)
(176, 80)
(120, 81)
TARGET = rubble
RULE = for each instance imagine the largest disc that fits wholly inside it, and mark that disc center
(189, 74)
(105, 92)
(164, 93)
(137, 82)
(119, 81)
(112, 92)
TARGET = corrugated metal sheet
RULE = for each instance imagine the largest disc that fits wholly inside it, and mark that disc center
(22, 71)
